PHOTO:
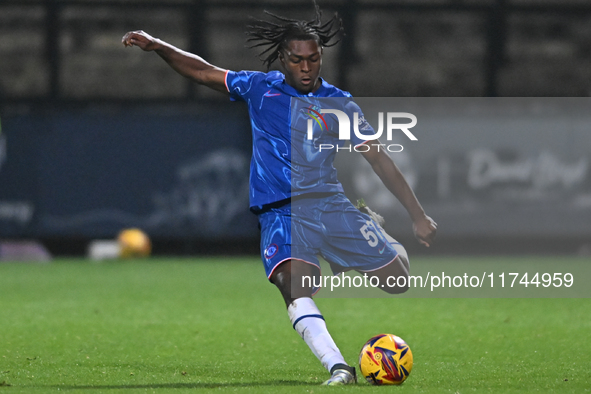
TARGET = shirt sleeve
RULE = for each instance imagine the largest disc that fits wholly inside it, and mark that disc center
(363, 125)
(239, 83)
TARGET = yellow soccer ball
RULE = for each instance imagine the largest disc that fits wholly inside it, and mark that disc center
(385, 359)
(133, 242)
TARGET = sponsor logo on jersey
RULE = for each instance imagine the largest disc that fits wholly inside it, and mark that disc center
(269, 94)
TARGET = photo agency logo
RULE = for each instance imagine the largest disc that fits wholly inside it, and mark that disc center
(360, 125)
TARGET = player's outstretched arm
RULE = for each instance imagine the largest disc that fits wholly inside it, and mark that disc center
(424, 227)
(185, 63)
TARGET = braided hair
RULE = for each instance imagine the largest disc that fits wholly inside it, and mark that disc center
(276, 35)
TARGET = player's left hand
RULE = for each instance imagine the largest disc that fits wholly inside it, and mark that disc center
(425, 230)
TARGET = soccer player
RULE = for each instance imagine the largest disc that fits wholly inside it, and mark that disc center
(299, 223)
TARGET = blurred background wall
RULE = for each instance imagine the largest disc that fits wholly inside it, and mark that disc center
(97, 137)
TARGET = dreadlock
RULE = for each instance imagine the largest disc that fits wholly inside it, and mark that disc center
(275, 36)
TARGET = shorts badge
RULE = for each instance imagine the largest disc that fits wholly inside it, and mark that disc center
(271, 251)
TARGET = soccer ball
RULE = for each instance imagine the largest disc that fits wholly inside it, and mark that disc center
(385, 359)
(133, 242)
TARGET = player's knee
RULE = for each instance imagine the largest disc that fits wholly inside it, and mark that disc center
(402, 256)
(397, 285)
(289, 279)
(282, 280)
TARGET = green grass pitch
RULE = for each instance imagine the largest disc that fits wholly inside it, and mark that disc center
(216, 325)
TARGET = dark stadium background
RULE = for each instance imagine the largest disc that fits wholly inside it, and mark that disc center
(97, 137)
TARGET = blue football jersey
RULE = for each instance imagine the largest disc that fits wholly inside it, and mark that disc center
(284, 162)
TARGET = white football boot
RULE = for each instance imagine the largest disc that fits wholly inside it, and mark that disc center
(376, 217)
(380, 221)
(341, 374)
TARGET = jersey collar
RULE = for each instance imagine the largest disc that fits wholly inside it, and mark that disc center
(280, 84)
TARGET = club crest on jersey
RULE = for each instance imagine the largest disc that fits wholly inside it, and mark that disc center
(271, 251)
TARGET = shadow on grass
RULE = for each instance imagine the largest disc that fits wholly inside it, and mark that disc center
(181, 385)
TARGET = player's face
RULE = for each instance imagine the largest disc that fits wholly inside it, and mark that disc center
(302, 61)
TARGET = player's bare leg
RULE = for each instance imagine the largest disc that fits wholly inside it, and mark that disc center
(307, 320)
(396, 269)
(288, 279)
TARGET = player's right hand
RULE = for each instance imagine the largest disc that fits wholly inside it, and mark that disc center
(140, 39)
(425, 230)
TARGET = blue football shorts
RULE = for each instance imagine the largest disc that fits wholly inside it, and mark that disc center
(328, 226)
